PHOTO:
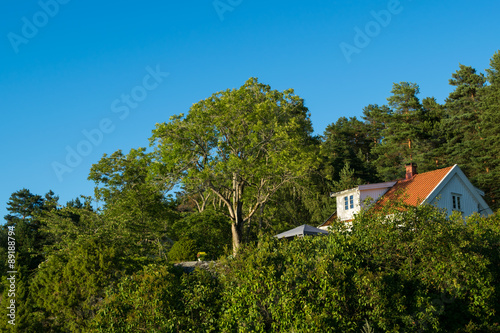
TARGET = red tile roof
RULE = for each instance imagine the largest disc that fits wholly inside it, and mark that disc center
(414, 190)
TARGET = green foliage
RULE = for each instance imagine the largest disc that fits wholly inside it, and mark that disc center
(416, 272)
(461, 122)
(345, 142)
(488, 161)
(367, 328)
(70, 285)
(25, 319)
(25, 209)
(404, 139)
(146, 301)
(242, 145)
(161, 299)
(209, 230)
(183, 250)
(134, 203)
(347, 179)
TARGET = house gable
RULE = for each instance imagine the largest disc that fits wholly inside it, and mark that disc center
(456, 193)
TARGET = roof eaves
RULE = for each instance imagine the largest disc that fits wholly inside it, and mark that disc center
(377, 185)
(336, 194)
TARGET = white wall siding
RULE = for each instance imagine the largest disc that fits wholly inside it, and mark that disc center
(348, 214)
(359, 198)
(468, 203)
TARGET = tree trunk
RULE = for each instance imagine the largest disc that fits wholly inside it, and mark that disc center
(237, 226)
(236, 232)
(261, 217)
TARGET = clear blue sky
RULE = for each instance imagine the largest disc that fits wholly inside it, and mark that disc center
(70, 67)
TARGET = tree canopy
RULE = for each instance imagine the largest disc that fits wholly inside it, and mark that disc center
(242, 145)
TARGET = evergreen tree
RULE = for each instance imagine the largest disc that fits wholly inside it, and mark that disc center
(488, 176)
(403, 140)
(27, 241)
(376, 118)
(25, 210)
(432, 154)
(460, 124)
(70, 285)
(348, 141)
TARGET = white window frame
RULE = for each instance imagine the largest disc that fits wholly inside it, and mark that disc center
(456, 202)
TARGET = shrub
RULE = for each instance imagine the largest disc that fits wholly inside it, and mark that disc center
(209, 229)
(416, 272)
(161, 299)
(183, 250)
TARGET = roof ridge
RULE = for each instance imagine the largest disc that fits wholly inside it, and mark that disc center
(424, 173)
(416, 189)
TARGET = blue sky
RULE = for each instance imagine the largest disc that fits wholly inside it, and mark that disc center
(89, 77)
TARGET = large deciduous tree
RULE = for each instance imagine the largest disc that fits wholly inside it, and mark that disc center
(242, 145)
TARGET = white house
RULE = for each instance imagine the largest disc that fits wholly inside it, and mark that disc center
(446, 188)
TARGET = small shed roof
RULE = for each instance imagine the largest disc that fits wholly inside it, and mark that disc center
(301, 231)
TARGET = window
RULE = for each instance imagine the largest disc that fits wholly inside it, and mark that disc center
(351, 200)
(456, 201)
(346, 204)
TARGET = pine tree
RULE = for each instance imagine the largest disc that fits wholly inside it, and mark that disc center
(431, 155)
(460, 124)
(403, 139)
(488, 175)
(348, 141)
(24, 226)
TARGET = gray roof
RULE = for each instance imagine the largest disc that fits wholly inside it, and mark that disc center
(301, 231)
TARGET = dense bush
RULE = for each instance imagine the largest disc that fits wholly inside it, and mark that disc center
(418, 271)
(210, 230)
(161, 299)
(183, 250)
(69, 286)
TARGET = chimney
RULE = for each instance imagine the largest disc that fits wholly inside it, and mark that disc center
(411, 170)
